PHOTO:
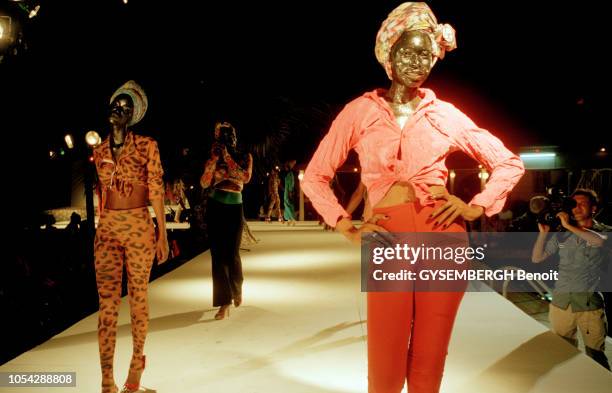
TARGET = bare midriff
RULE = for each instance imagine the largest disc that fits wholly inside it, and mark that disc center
(403, 192)
(139, 197)
(227, 185)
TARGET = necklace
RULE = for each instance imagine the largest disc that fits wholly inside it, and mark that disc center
(116, 145)
(402, 109)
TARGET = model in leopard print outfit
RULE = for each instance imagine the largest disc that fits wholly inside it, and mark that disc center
(130, 175)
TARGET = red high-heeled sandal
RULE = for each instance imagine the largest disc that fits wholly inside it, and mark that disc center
(134, 387)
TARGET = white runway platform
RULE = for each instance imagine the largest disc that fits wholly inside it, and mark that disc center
(302, 329)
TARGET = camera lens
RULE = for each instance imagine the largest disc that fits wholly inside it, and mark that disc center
(538, 204)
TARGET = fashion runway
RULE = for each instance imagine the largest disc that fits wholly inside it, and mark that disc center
(302, 328)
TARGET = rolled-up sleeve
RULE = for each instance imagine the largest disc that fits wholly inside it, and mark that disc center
(552, 245)
(155, 173)
(505, 167)
(328, 157)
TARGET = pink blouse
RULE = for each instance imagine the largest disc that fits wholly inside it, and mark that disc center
(436, 129)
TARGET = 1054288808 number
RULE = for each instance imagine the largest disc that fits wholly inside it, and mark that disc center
(47, 379)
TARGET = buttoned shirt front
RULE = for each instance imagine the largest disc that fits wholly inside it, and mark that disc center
(435, 130)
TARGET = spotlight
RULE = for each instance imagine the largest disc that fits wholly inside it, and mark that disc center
(355, 169)
(452, 174)
(93, 139)
(301, 175)
(125, 1)
(69, 141)
(5, 28)
(31, 12)
(537, 155)
(52, 154)
(603, 150)
(34, 12)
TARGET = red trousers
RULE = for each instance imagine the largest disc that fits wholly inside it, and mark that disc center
(409, 332)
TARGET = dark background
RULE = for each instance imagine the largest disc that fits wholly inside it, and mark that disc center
(533, 74)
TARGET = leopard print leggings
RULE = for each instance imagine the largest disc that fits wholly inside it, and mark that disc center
(123, 236)
(275, 206)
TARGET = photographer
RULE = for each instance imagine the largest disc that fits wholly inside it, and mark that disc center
(583, 255)
(227, 171)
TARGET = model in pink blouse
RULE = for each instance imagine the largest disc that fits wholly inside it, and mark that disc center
(414, 154)
(403, 136)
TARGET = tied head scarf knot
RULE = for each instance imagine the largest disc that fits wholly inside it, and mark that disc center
(408, 17)
(139, 99)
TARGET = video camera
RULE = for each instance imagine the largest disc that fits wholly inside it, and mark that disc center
(546, 208)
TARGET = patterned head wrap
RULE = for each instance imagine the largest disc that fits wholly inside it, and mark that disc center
(407, 17)
(139, 99)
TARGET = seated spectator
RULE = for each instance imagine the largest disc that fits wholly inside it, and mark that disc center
(75, 224)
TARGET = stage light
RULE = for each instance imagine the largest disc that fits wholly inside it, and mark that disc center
(5, 28)
(537, 155)
(62, 152)
(31, 12)
(355, 169)
(603, 150)
(52, 154)
(34, 12)
(69, 141)
(452, 174)
(484, 175)
(125, 1)
(93, 139)
(301, 175)
(540, 157)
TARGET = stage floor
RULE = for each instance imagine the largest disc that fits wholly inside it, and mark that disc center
(302, 328)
